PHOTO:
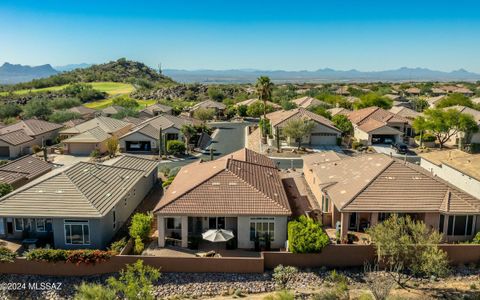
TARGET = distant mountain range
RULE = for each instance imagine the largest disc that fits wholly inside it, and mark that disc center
(10, 73)
(321, 75)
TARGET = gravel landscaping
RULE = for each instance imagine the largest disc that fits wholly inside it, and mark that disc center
(205, 285)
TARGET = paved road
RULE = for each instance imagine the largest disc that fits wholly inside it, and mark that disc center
(229, 138)
(288, 163)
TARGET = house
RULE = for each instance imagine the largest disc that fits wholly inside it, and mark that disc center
(133, 120)
(84, 112)
(23, 170)
(17, 139)
(405, 112)
(459, 168)
(154, 110)
(92, 135)
(438, 92)
(355, 193)
(80, 207)
(339, 111)
(241, 192)
(374, 125)
(324, 132)
(111, 110)
(476, 100)
(218, 107)
(413, 91)
(249, 102)
(473, 138)
(145, 136)
(343, 91)
(72, 123)
(432, 101)
(309, 102)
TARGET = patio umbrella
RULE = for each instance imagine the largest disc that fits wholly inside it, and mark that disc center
(217, 235)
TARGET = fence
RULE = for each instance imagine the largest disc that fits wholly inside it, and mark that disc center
(334, 256)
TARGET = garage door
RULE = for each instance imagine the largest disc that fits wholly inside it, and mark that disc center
(81, 149)
(323, 139)
(4, 152)
(383, 139)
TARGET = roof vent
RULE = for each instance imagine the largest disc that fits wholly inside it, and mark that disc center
(108, 194)
(40, 191)
(232, 183)
(389, 177)
(59, 192)
(416, 177)
(215, 183)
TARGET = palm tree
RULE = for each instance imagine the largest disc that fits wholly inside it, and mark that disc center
(264, 90)
(188, 132)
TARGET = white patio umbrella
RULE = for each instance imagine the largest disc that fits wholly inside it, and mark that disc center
(217, 235)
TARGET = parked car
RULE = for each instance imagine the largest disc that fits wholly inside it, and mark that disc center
(400, 148)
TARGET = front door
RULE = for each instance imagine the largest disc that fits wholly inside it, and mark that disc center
(352, 224)
(9, 227)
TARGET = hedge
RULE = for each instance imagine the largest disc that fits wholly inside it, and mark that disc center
(306, 236)
(85, 256)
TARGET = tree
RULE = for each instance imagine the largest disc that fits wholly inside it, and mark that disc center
(64, 103)
(455, 99)
(37, 108)
(322, 111)
(136, 282)
(5, 188)
(204, 114)
(125, 101)
(10, 110)
(419, 104)
(140, 227)
(61, 116)
(242, 110)
(84, 92)
(264, 91)
(343, 123)
(296, 129)
(216, 94)
(408, 248)
(188, 132)
(444, 124)
(112, 146)
(257, 108)
(306, 236)
(127, 112)
(373, 99)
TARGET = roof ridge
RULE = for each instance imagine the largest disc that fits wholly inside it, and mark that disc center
(80, 191)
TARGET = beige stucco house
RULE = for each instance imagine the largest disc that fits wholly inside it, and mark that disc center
(357, 192)
(241, 192)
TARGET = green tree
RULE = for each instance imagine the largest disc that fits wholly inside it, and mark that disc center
(140, 227)
(242, 110)
(37, 108)
(188, 132)
(83, 91)
(264, 89)
(305, 235)
(175, 147)
(297, 129)
(216, 94)
(408, 248)
(419, 104)
(94, 291)
(343, 123)
(444, 124)
(322, 111)
(5, 188)
(125, 101)
(61, 116)
(455, 99)
(64, 103)
(127, 112)
(204, 114)
(136, 282)
(373, 99)
(10, 110)
(257, 108)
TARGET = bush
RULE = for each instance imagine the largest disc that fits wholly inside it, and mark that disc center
(476, 239)
(7, 255)
(37, 108)
(139, 246)
(283, 274)
(175, 147)
(73, 256)
(427, 137)
(93, 291)
(356, 145)
(64, 103)
(10, 110)
(5, 188)
(95, 153)
(63, 116)
(306, 236)
(140, 230)
(280, 295)
(118, 246)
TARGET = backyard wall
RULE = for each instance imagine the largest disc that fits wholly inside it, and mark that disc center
(333, 256)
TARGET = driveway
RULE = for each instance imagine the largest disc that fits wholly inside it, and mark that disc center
(386, 149)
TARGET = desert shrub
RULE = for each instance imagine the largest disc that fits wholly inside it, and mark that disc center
(379, 283)
(125, 101)
(135, 282)
(306, 236)
(283, 274)
(168, 181)
(476, 239)
(139, 246)
(10, 110)
(36, 148)
(117, 246)
(356, 145)
(61, 116)
(140, 229)
(93, 291)
(280, 295)
(64, 103)
(48, 255)
(6, 255)
(242, 110)
(37, 108)
(175, 147)
(95, 153)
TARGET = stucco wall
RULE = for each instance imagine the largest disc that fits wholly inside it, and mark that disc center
(244, 233)
(137, 137)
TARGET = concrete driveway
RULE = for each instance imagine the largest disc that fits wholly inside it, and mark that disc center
(387, 149)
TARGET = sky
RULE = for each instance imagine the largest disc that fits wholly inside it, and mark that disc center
(365, 35)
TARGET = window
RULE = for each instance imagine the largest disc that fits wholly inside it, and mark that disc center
(216, 223)
(41, 226)
(77, 232)
(442, 223)
(325, 204)
(174, 223)
(383, 216)
(114, 219)
(461, 225)
(261, 226)
(18, 224)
